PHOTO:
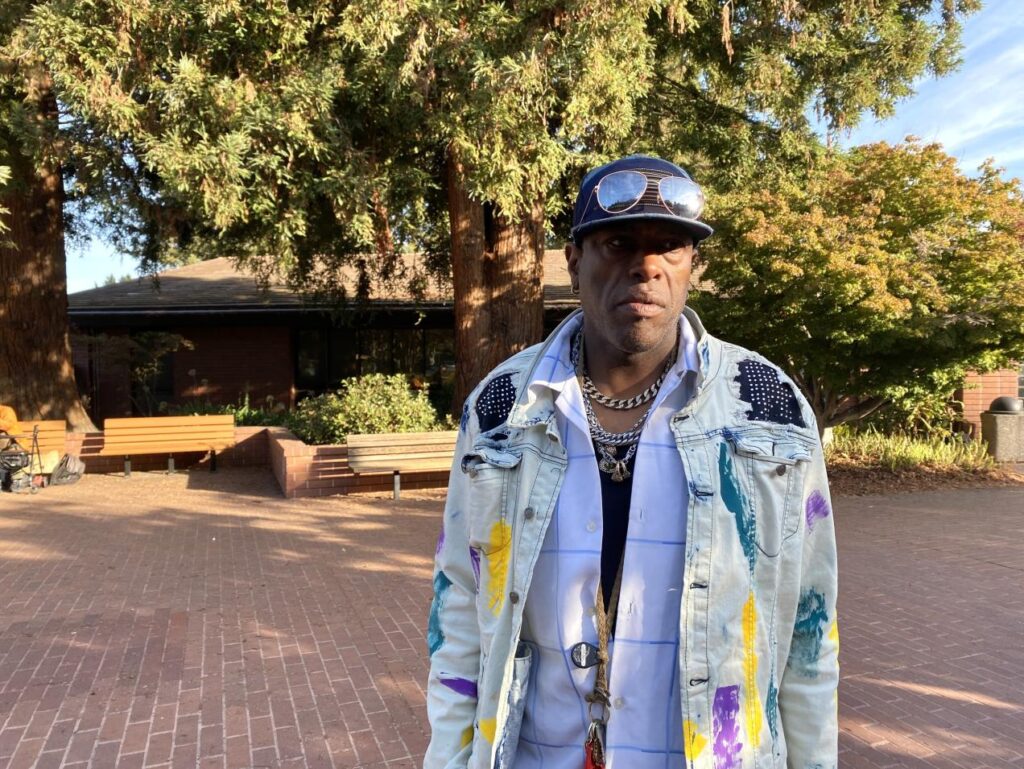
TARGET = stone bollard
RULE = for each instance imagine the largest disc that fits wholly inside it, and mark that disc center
(1002, 428)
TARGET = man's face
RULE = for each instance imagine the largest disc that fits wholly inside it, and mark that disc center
(633, 279)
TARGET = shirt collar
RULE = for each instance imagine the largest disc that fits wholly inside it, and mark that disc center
(555, 370)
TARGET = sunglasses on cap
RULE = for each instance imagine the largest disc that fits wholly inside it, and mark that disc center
(620, 191)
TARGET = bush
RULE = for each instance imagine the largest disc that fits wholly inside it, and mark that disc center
(899, 451)
(374, 403)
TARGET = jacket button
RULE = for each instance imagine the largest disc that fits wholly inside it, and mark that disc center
(528, 513)
(780, 470)
(513, 597)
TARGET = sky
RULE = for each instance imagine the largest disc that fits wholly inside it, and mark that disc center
(977, 112)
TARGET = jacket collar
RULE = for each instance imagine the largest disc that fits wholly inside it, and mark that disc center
(536, 405)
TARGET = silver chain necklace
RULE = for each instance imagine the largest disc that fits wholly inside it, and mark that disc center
(607, 442)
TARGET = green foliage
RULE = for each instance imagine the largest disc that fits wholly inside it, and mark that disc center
(246, 415)
(374, 403)
(899, 451)
(314, 131)
(883, 267)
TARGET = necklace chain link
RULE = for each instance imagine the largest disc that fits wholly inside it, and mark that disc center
(607, 442)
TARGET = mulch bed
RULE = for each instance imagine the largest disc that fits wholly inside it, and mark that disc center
(849, 479)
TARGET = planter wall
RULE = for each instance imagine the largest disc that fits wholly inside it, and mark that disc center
(320, 471)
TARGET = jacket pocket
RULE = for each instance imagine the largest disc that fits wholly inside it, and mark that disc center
(516, 707)
(491, 474)
(773, 465)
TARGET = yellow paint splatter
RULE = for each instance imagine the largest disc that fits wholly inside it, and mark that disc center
(833, 634)
(693, 741)
(752, 700)
(467, 737)
(487, 727)
(497, 565)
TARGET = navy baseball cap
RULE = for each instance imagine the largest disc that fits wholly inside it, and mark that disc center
(639, 188)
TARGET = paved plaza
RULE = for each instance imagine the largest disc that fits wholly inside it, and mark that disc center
(202, 620)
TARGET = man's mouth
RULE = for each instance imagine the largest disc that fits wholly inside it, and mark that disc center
(641, 305)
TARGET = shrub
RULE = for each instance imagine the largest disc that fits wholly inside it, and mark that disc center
(374, 403)
(899, 451)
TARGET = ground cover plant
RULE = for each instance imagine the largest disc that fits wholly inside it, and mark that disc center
(373, 403)
(869, 461)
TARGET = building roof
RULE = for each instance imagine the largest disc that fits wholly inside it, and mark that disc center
(219, 285)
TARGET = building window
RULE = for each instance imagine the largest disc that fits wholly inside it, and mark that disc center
(311, 360)
(324, 357)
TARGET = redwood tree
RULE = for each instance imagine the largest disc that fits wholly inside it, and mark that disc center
(36, 373)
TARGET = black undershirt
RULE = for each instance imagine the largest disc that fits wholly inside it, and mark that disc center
(615, 499)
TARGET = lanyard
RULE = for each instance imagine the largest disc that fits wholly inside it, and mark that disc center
(594, 749)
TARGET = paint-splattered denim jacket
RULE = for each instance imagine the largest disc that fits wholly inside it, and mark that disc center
(759, 641)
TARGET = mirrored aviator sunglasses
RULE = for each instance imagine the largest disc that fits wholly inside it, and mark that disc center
(620, 191)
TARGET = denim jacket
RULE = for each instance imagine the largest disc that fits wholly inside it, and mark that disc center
(758, 652)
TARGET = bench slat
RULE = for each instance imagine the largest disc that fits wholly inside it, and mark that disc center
(163, 422)
(154, 435)
(445, 437)
(406, 467)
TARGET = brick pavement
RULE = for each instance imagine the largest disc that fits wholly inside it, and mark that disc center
(202, 620)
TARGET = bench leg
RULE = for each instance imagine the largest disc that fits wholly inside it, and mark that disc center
(213, 461)
(170, 464)
(127, 467)
(398, 484)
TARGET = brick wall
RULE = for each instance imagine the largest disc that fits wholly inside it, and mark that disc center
(320, 471)
(234, 360)
(250, 450)
(981, 389)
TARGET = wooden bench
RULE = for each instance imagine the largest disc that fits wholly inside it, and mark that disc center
(52, 433)
(135, 436)
(399, 453)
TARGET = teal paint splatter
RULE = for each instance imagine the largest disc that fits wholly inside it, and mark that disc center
(435, 636)
(809, 630)
(736, 503)
(771, 708)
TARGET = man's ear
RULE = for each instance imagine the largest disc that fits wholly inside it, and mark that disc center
(695, 260)
(573, 253)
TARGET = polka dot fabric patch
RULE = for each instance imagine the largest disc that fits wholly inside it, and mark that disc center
(773, 400)
(495, 402)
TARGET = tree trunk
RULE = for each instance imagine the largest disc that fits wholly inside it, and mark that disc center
(36, 374)
(497, 266)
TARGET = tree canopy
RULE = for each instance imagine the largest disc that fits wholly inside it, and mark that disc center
(305, 135)
(880, 267)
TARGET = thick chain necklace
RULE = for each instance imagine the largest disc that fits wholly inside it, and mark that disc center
(609, 443)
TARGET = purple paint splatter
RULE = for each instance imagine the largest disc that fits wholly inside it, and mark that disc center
(440, 543)
(727, 732)
(817, 508)
(462, 686)
(474, 557)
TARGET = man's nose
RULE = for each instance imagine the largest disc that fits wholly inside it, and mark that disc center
(646, 263)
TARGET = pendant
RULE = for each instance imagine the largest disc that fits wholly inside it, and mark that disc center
(609, 465)
(616, 468)
(593, 749)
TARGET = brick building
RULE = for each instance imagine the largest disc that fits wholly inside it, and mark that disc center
(267, 342)
(270, 343)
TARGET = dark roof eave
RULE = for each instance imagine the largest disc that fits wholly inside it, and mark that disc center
(86, 312)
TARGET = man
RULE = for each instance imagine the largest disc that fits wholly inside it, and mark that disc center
(637, 563)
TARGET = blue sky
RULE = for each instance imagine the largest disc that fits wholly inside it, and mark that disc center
(975, 113)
